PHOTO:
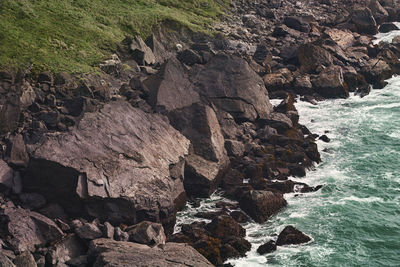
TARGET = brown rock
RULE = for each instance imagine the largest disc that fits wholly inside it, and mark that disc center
(291, 236)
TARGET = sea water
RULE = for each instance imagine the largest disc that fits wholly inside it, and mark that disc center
(354, 220)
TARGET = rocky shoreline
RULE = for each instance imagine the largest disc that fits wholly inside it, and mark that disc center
(95, 167)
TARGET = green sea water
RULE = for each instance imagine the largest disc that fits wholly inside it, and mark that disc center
(354, 220)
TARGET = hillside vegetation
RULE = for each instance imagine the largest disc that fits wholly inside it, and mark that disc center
(74, 35)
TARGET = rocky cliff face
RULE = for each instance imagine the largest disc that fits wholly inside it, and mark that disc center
(92, 165)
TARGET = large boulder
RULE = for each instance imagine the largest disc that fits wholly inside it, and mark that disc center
(330, 83)
(230, 83)
(203, 169)
(140, 52)
(312, 56)
(260, 204)
(364, 20)
(291, 236)
(25, 229)
(106, 252)
(343, 38)
(376, 71)
(6, 175)
(124, 175)
(170, 88)
(297, 23)
(379, 12)
(147, 233)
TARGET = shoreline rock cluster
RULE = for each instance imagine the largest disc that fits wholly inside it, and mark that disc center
(95, 167)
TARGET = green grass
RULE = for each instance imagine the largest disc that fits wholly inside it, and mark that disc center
(75, 35)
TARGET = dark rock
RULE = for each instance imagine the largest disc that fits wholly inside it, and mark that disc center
(28, 229)
(268, 247)
(9, 113)
(260, 205)
(32, 200)
(302, 85)
(54, 211)
(209, 215)
(376, 71)
(330, 83)
(325, 138)
(170, 88)
(387, 27)
(5, 261)
(297, 23)
(234, 148)
(291, 236)
(140, 52)
(80, 261)
(262, 55)
(6, 175)
(230, 83)
(224, 226)
(312, 56)
(68, 248)
(202, 177)
(380, 14)
(147, 233)
(363, 20)
(239, 216)
(110, 179)
(25, 259)
(189, 57)
(105, 252)
(16, 151)
(120, 235)
(89, 231)
(50, 118)
(200, 125)
(108, 230)
(45, 78)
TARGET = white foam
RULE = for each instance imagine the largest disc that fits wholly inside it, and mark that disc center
(387, 37)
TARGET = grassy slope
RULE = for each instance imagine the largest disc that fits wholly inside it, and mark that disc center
(74, 35)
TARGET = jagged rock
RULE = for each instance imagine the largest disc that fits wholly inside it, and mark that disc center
(9, 113)
(45, 78)
(27, 229)
(80, 261)
(200, 125)
(224, 227)
(387, 27)
(68, 248)
(5, 261)
(268, 247)
(147, 233)
(32, 200)
(202, 176)
(170, 88)
(330, 83)
(278, 121)
(16, 151)
(239, 216)
(343, 38)
(260, 205)
(25, 259)
(230, 83)
(297, 23)
(276, 82)
(108, 230)
(376, 71)
(122, 176)
(140, 52)
(380, 14)
(363, 20)
(302, 85)
(234, 148)
(105, 252)
(262, 54)
(6, 175)
(120, 235)
(291, 236)
(189, 57)
(28, 95)
(312, 56)
(89, 231)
